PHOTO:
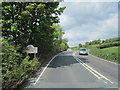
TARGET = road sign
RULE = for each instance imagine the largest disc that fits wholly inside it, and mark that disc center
(31, 49)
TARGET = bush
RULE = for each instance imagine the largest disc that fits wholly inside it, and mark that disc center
(15, 70)
(10, 57)
(106, 45)
(20, 74)
(112, 40)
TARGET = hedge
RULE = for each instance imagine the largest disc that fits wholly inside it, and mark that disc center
(106, 45)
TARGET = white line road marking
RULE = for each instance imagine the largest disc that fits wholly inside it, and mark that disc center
(94, 72)
(88, 69)
(45, 69)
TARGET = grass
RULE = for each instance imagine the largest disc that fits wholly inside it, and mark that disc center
(74, 48)
(110, 53)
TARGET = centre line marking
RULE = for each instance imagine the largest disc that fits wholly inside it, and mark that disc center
(94, 72)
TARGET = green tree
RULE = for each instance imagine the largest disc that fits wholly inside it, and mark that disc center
(80, 45)
(31, 23)
(25, 23)
(59, 44)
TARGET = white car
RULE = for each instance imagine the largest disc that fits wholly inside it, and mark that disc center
(83, 51)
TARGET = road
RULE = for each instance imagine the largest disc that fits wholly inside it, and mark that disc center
(71, 70)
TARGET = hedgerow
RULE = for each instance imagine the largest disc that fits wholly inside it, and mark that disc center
(106, 45)
(15, 69)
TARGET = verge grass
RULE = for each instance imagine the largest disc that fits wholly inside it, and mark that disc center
(110, 53)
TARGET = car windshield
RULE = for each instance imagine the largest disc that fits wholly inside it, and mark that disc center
(82, 49)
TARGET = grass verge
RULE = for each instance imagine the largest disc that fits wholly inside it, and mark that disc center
(110, 53)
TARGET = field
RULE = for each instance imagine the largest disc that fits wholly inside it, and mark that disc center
(110, 53)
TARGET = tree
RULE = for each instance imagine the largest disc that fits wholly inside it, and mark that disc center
(80, 45)
(59, 44)
(30, 23)
(25, 23)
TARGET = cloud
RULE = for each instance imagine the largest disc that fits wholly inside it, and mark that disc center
(66, 20)
(89, 21)
(82, 13)
(102, 30)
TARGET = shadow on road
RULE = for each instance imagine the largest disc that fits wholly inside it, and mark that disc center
(83, 57)
(66, 60)
(61, 61)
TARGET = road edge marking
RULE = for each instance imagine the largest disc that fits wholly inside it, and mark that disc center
(90, 69)
(45, 68)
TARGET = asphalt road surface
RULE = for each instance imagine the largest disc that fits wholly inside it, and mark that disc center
(71, 70)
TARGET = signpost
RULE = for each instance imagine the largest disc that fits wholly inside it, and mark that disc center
(31, 49)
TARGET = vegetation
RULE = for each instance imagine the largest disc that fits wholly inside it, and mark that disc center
(15, 69)
(106, 49)
(31, 23)
(93, 42)
(106, 45)
(80, 45)
(111, 40)
(110, 53)
(25, 23)
(102, 41)
(74, 48)
(59, 44)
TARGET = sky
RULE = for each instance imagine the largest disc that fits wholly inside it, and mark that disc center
(86, 21)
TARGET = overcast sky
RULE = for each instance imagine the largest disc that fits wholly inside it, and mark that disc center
(85, 21)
